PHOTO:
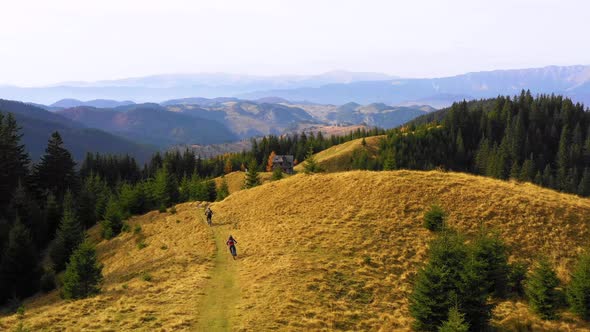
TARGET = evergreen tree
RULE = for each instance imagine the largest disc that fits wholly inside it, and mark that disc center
(579, 288)
(223, 190)
(527, 172)
(439, 282)
(55, 173)
(19, 272)
(69, 235)
(455, 322)
(490, 258)
(52, 214)
(584, 186)
(541, 290)
(25, 207)
(310, 165)
(83, 273)
(252, 179)
(211, 191)
(112, 220)
(277, 174)
(14, 161)
(515, 171)
(563, 159)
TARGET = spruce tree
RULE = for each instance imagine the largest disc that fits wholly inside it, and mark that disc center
(70, 234)
(439, 282)
(14, 161)
(584, 186)
(223, 190)
(311, 165)
(56, 172)
(112, 220)
(455, 322)
(83, 273)
(563, 158)
(52, 214)
(277, 174)
(578, 294)
(19, 272)
(490, 257)
(252, 179)
(541, 290)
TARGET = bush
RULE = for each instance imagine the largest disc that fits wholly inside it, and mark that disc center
(146, 277)
(125, 228)
(541, 290)
(141, 244)
(172, 210)
(578, 294)
(137, 229)
(162, 209)
(106, 230)
(434, 218)
(47, 281)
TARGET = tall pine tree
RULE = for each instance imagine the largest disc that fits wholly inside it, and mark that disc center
(56, 172)
(70, 234)
(14, 161)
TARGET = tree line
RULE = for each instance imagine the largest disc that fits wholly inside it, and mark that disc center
(543, 139)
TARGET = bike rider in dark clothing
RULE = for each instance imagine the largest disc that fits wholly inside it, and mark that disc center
(231, 243)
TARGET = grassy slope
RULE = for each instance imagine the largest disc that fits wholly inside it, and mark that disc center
(178, 257)
(235, 180)
(317, 252)
(340, 251)
(339, 157)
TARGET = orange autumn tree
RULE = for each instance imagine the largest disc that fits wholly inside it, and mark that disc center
(228, 167)
(270, 162)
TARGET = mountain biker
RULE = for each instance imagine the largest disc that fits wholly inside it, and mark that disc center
(209, 214)
(231, 243)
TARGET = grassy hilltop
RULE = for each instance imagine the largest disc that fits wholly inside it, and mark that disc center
(316, 252)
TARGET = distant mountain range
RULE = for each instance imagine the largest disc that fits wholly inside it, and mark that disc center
(572, 81)
(38, 124)
(336, 88)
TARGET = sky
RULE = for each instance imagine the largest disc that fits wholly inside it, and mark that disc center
(44, 42)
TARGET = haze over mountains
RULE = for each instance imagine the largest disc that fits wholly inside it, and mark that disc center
(338, 87)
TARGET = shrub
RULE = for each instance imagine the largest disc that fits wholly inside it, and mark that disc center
(578, 294)
(541, 290)
(172, 210)
(141, 244)
(125, 228)
(146, 277)
(137, 229)
(434, 218)
(162, 209)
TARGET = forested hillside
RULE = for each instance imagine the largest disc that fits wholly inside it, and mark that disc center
(544, 139)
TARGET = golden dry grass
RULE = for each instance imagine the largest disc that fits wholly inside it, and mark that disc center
(340, 250)
(178, 258)
(235, 180)
(339, 157)
(316, 252)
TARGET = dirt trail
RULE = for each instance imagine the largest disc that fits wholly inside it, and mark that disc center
(222, 292)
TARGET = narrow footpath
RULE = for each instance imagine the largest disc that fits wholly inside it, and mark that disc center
(221, 292)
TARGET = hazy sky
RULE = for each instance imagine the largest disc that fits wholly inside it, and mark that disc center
(44, 42)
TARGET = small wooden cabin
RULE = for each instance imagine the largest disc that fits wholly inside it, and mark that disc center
(285, 162)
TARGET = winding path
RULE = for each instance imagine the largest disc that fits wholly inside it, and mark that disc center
(221, 292)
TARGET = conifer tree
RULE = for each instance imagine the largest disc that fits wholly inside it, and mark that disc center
(223, 190)
(270, 162)
(541, 290)
(55, 173)
(252, 179)
(455, 322)
(112, 220)
(277, 174)
(490, 257)
(19, 272)
(579, 288)
(438, 283)
(52, 213)
(83, 273)
(211, 191)
(69, 235)
(563, 159)
(310, 165)
(14, 161)
(515, 171)
(584, 186)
